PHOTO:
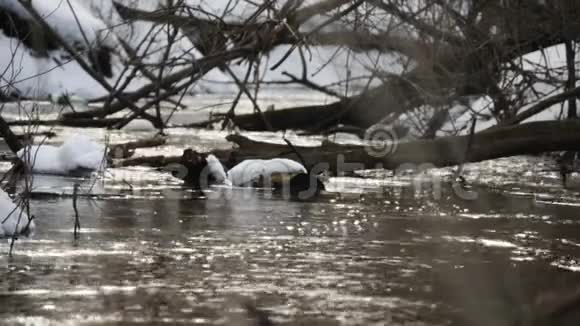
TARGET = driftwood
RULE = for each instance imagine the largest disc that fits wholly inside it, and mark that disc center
(362, 111)
(143, 143)
(304, 118)
(227, 157)
(77, 122)
(152, 161)
(29, 135)
(528, 138)
(126, 150)
(45, 195)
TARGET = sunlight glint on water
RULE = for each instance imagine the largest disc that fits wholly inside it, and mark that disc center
(375, 252)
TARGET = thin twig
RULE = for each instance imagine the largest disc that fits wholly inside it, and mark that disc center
(293, 148)
(77, 227)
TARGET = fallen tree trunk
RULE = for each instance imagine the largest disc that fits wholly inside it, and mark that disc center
(159, 161)
(126, 150)
(152, 161)
(364, 110)
(77, 122)
(305, 118)
(524, 139)
(529, 138)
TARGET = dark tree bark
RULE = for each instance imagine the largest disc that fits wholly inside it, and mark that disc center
(364, 110)
(10, 138)
(571, 82)
(80, 122)
(448, 64)
(528, 138)
(126, 150)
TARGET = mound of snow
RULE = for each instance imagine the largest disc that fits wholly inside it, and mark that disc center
(249, 171)
(77, 154)
(216, 170)
(12, 219)
(139, 125)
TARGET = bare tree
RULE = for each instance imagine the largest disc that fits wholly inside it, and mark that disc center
(446, 54)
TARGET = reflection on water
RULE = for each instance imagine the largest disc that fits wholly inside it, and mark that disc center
(341, 260)
(373, 251)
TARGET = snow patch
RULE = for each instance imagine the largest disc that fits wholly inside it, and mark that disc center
(78, 153)
(139, 125)
(216, 169)
(249, 171)
(12, 219)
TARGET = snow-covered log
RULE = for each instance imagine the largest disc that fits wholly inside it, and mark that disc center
(248, 172)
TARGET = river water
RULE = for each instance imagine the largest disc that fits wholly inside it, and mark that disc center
(372, 251)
